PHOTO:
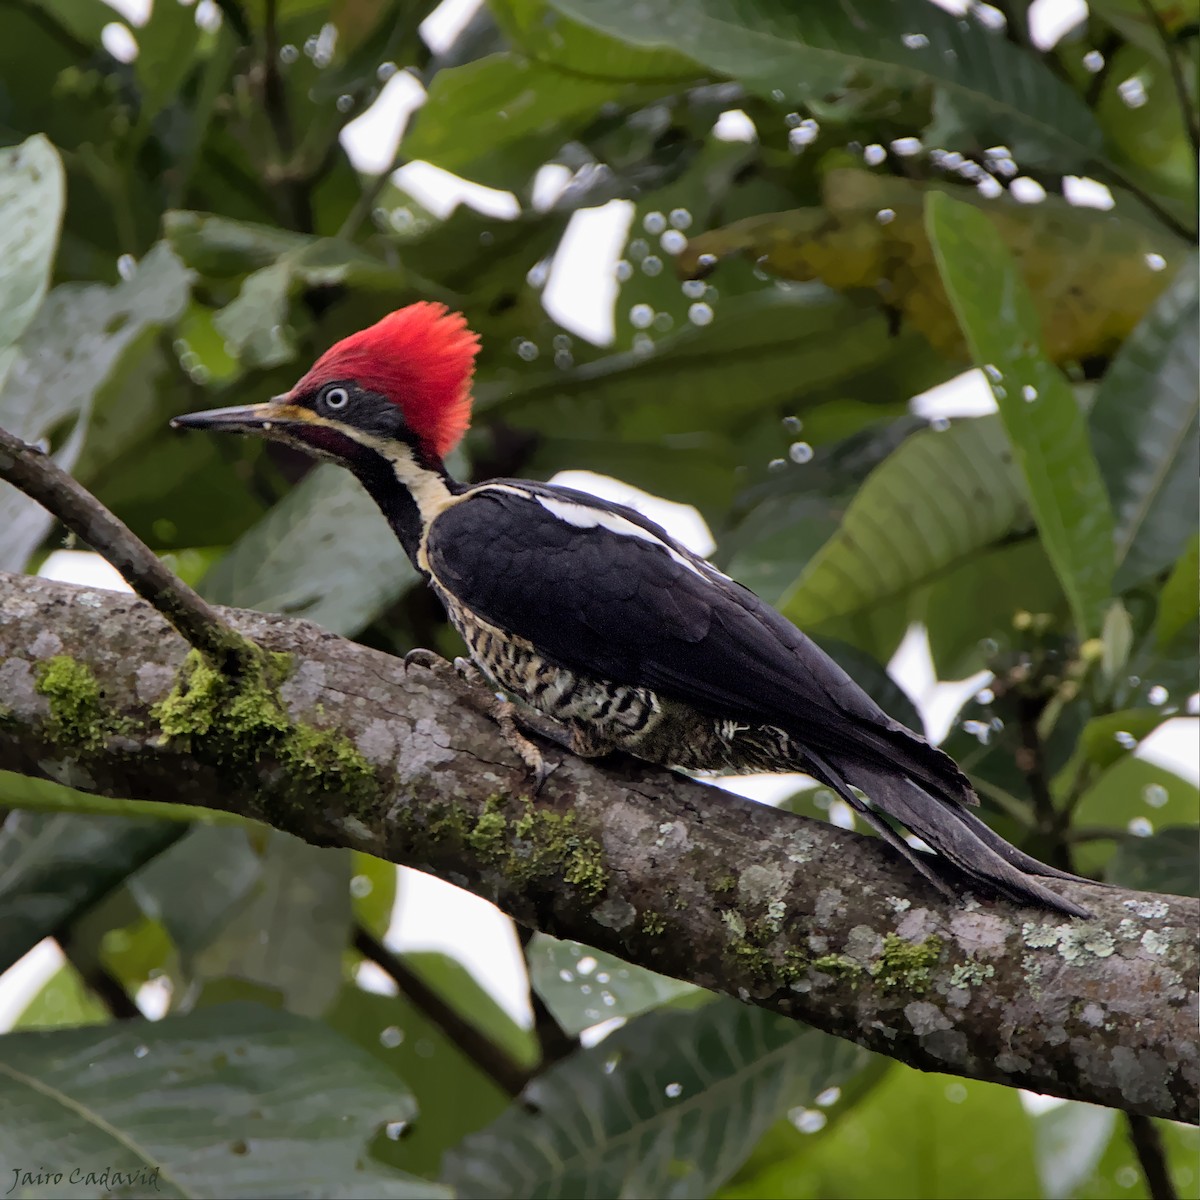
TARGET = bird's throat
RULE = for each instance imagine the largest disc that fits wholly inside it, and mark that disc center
(409, 494)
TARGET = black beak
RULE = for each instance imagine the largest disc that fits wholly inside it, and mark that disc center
(248, 418)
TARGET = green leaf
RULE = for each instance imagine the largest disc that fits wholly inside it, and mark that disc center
(233, 1101)
(1132, 790)
(31, 207)
(458, 987)
(583, 987)
(83, 19)
(220, 248)
(646, 282)
(1120, 1172)
(939, 498)
(549, 38)
(1089, 271)
(298, 560)
(958, 1138)
(82, 335)
(167, 47)
(1163, 862)
(669, 1105)
(1172, 667)
(63, 1001)
(1070, 1141)
(1144, 432)
(1111, 736)
(976, 600)
(695, 378)
(1037, 407)
(1116, 641)
(195, 886)
(1179, 600)
(790, 55)
(55, 867)
(498, 119)
(255, 324)
(43, 796)
(785, 515)
(373, 886)
(173, 490)
(454, 1096)
(292, 930)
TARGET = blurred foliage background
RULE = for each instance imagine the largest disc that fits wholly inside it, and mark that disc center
(834, 208)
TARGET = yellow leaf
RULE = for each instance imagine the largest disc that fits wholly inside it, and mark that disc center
(1092, 274)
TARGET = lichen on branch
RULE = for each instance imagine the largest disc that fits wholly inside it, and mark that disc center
(338, 744)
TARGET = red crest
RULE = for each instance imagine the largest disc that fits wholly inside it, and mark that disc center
(422, 357)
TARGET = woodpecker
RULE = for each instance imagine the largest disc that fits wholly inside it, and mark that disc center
(607, 631)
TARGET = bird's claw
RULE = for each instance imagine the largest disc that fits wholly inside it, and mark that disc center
(504, 713)
(542, 772)
(420, 657)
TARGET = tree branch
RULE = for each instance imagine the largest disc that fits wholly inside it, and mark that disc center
(43, 480)
(794, 915)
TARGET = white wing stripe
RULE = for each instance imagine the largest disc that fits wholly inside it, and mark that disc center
(583, 517)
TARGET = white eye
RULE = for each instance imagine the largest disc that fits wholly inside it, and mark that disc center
(337, 397)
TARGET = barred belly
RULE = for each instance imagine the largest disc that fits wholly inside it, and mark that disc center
(610, 715)
(604, 716)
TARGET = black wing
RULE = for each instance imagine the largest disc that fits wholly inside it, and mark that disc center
(644, 610)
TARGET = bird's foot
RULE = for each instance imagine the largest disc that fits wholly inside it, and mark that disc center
(420, 657)
(468, 672)
(513, 723)
(505, 714)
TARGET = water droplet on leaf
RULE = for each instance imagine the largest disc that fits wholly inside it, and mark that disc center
(1155, 795)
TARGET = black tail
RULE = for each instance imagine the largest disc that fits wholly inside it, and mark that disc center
(955, 832)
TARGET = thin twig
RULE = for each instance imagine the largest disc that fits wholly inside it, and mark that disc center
(492, 1060)
(1187, 113)
(1147, 1145)
(1107, 49)
(1031, 760)
(554, 1041)
(1106, 170)
(109, 990)
(1095, 833)
(366, 201)
(294, 192)
(43, 480)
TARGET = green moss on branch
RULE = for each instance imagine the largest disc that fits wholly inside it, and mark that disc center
(240, 723)
(78, 718)
(540, 844)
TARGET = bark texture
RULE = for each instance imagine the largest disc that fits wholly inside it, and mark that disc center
(791, 914)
